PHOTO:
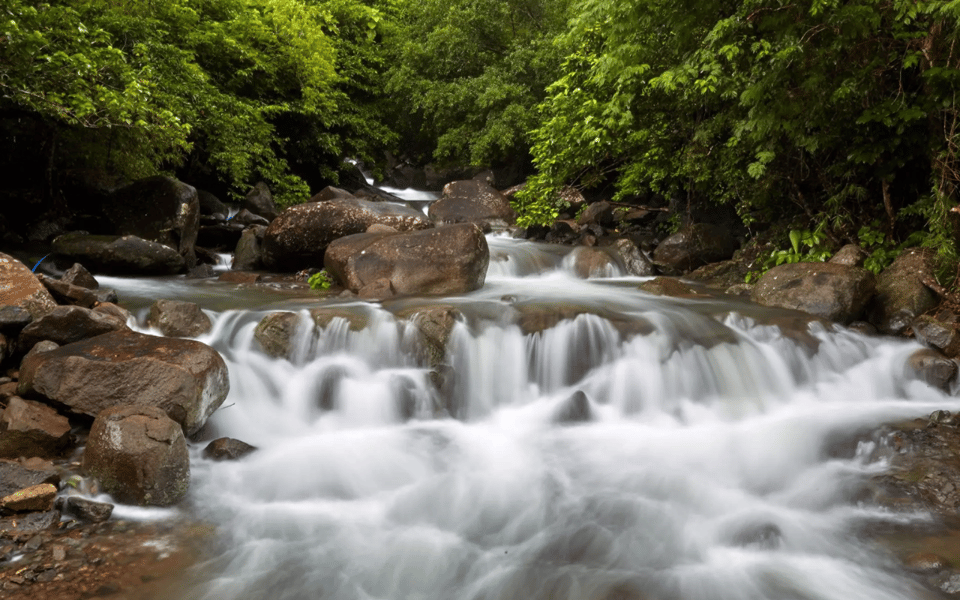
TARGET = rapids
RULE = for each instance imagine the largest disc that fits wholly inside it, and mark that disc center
(720, 462)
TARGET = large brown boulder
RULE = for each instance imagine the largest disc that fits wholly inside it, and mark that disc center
(445, 260)
(119, 255)
(835, 292)
(901, 295)
(138, 455)
(158, 209)
(472, 201)
(185, 378)
(694, 246)
(68, 324)
(298, 238)
(19, 287)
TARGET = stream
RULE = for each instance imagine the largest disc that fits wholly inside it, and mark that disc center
(634, 447)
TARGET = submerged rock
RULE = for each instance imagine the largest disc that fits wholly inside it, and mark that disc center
(138, 455)
(575, 409)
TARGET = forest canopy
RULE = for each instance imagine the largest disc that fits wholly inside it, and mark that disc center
(842, 114)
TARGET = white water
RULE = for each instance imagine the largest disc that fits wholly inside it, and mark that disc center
(708, 472)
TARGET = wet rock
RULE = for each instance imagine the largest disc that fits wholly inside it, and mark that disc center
(901, 295)
(830, 291)
(120, 255)
(925, 562)
(575, 409)
(227, 449)
(445, 260)
(299, 238)
(668, 286)
(247, 218)
(221, 236)
(158, 209)
(29, 428)
(850, 255)
(18, 475)
(36, 498)
(635, 261)
(67, 324)
(592, 262)
(379, 289)
(20, 288)
(936, 334)
(863, 327)
(435, 325)
(247, 255)
(175, 318)
(138, 455)
(259, 201)
(210, 205)
(88, 510)
(694, 246)
(29, 523)
(78, 275)
(108, 296)
(203, 271)
(932, 367)
(758, 535)
(322, 317)
(185, 378)
(472, 201)
(275, 333)
(67, 293)
(240, 277)
(13, 319)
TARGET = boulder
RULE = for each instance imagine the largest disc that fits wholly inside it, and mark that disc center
(931, 367)
(299, 237)
(222, 236)
(68, 324)
(29, 428)
(175, 318)
(67, 293)
(933, 333)
(78, 275)
(592, 262)
(835, 292)
(635, 261)
(15, 476)
(445, 260)
(599, 213)
(435, 324)
(13, 319)
(247, 218)
(259, 201)
(901, 295)
(472, 201)
(36, 498)
(247, 255)
(109, 308)
(574, 409)
(694, 246)
(275, 333)
(138, 455)
(210, 205)
(119, 255)
(87, 510)
(20, 288)
(330, 193)
(158, 209)
(851, 255)
(227, 449)
(185, 378)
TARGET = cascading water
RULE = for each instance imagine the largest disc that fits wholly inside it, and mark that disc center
(628, 447)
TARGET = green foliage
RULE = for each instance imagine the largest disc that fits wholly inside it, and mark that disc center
(321, 280)
(805, 246)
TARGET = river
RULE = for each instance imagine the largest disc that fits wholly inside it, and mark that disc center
(723, 457)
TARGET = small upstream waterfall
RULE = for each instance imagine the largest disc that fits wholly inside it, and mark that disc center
(718, 462)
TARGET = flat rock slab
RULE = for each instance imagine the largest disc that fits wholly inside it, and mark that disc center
(186, 379)
(29, 523)
(32, 499)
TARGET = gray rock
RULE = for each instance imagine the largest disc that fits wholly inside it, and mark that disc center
(472, 201)
(259, 201)
(901, 294)
(694, 246)
(13, 319)
(248, 254)
(831, 291)
(593, 262)
(119, 255)
(575, 409)
(445, 260)
(850, 255)
(247, 218)
(67, 324)
(88, 510)
(158, 209)
(138, 455)
(185, 378)
(210, 205)
(19, 475)
(938, 335)
(78, 275)
(931, 367)
(635, 261)
(299, 237)
(29, 523)
(275, 334)
(67, 293)
(175, 318)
